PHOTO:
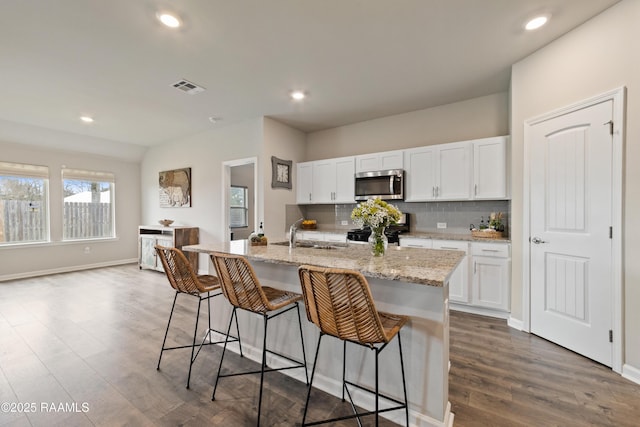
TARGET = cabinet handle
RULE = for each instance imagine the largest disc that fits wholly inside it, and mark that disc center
(489, 250)
(474, 267)
(437, 190)
(309, 196)
(475, 190)
(450, 248)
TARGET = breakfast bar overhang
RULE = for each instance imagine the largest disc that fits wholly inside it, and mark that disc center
(406, 281)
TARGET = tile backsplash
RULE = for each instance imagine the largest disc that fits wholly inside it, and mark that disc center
(424, 216)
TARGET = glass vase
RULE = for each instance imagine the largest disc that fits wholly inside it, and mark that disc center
(378, 241)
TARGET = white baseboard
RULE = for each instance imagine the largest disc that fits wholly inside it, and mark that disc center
(631, 373)
(515, 323)
(69, 269)
(478, 310)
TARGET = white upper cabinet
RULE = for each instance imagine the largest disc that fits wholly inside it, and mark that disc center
(304, 176)
(438, 172)
(380, 161)
(453, 171)
(420, 175)
(326, 181)
(490, 168)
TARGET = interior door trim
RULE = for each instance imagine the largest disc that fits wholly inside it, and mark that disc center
(618, 96)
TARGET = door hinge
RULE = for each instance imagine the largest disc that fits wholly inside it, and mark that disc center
(611, 232)
(610, 123)
(610, 335)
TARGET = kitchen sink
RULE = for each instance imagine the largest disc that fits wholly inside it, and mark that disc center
(313, 245)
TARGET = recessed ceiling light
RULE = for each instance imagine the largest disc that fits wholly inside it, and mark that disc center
(536, 22)
(298, 95)
(86, 119)
(214, 119)
(168, 19)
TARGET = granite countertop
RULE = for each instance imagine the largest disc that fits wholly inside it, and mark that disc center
(423, 266)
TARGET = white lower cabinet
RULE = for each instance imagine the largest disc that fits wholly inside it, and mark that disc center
(490, 267)
(459, 281)
(321, 236)
(481, 283)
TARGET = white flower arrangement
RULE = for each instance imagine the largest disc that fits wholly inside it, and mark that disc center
(375, 213)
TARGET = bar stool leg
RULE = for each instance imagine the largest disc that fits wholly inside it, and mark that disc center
(304, 355)
(264, 363)
(167, 331)
(193, 346)
(344, 366)
(313, 371)
(404, 384)
(224, 349)
(377, 391)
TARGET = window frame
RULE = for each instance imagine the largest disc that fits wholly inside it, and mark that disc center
(245, 207)
(88, 177)
(36, 172)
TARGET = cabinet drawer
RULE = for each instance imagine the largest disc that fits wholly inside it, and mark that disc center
(414, 242)
(498, 250)
(335, 237)
(452, 245)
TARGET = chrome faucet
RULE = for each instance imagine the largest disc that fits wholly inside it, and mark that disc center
(292, 233)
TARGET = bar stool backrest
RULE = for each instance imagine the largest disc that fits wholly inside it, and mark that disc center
(239, 283)
(339, 302)
(179, 272)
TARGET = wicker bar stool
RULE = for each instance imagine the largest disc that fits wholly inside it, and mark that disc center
(185, 281)
(339, 302)
(244, 291)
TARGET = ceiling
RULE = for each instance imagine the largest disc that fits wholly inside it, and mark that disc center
(356, 59)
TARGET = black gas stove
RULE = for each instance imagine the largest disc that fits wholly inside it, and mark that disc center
(392, 232)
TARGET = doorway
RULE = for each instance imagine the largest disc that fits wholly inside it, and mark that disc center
(572, 230)
(240, 184)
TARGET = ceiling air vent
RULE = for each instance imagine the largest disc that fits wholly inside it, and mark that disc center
(188, 87)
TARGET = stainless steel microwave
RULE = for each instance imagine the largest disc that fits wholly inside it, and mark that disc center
(386, 185)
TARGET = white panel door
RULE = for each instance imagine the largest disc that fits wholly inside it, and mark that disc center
(571, 248)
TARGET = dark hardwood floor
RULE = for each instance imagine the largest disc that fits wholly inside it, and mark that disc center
(80, 349)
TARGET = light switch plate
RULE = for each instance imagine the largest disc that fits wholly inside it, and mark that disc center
(344, 222)
(442, 225)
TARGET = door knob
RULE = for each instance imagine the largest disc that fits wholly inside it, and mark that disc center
(537, 240)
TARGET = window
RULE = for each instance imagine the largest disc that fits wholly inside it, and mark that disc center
(24, 193)
(88, 204)
(239, 207)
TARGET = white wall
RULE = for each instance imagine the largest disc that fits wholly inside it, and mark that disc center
(475, 118)
(594, 58)
(204, 154)
(284, 143)
(58, 256)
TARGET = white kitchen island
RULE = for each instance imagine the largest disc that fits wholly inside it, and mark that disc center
(407, 281)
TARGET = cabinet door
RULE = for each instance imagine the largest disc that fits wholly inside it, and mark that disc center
(147, 252)
(304, 176)
(323, 181)
(490, 282)
(459, 281)
(367, 162)
(420, 184)
(454, 171)
(391, 160)
(490, 168)
(345, 181)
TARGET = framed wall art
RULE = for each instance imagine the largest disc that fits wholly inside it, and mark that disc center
(280, 173)
(175, 188)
